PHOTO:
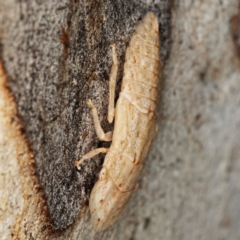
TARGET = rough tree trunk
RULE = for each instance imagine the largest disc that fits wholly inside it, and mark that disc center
(55, 55)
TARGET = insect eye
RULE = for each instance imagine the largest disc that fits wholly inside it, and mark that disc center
(103, 174)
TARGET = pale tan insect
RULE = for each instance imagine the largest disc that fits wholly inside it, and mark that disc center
(133, 128)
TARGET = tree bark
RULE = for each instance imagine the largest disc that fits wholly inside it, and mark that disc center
(57, 54)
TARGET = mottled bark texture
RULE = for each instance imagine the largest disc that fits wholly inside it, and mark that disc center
(55, 55)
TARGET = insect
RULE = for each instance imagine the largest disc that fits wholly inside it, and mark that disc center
(133, 127)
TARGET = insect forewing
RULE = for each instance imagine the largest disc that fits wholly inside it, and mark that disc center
(133, 128)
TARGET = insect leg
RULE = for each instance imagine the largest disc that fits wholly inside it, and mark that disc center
(90, 155)
(100, 133)
(112, 85)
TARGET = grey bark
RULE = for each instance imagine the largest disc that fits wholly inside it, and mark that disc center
(56, 55)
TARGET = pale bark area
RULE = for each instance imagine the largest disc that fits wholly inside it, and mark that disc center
(190, 187)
